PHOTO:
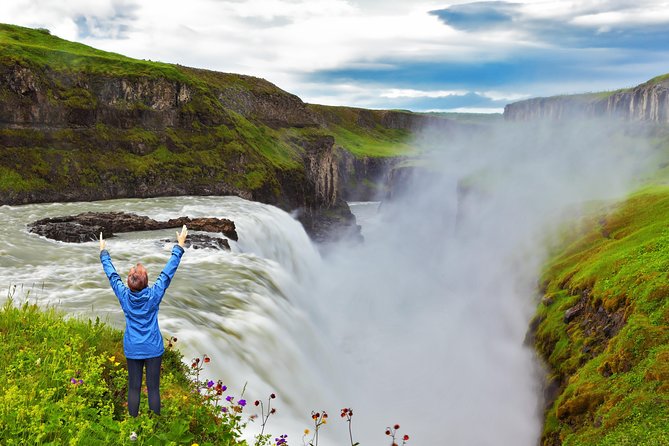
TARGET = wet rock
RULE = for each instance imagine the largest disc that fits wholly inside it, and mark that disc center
(88, 225)
(573, 312)
(202, 241)
(67, 232)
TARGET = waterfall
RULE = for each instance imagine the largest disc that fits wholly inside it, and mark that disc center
(421, 325)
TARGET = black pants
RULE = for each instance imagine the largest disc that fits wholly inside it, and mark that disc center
(135, 372)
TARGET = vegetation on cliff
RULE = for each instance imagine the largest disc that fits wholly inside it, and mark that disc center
(603, 327)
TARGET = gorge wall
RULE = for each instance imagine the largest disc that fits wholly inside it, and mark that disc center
(648, 102)
(77, 123)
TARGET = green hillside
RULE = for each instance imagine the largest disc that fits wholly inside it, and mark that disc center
(603, 327)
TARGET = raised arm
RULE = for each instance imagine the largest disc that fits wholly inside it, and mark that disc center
(166, 275)
(114, 279)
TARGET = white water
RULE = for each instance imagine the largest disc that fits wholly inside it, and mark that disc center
(422, 325)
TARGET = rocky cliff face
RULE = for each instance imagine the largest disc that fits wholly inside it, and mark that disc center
(648, 102)
(77, 123)
(114, 127)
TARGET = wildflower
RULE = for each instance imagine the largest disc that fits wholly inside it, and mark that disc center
(387, 431)
(206, 359)
(195, 444)
(272, 396)
(273, 411)
(306, 431)
(210, 383)
(397, 426)
(229, 398)
(133, 436)
(315, 415)
(405, 438)
(112, 358)
(117, 363)
(73, 381)
(281, 440)
(256, 403)
(242, 403)
(224, 409)
(38, 362)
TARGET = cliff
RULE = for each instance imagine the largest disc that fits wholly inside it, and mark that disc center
(77, 123)
(648, 102)
(603, 327)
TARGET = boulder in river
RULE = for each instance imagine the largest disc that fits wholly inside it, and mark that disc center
(88, 226)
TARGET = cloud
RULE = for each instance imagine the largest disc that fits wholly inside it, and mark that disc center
(394, 93)
(312, 47)
(478, 16)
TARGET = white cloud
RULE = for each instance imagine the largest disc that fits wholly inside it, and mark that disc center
(394, 93)
(503, 96)
(284, 40)
(486, 110)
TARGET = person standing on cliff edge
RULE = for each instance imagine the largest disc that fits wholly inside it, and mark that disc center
(142, 340)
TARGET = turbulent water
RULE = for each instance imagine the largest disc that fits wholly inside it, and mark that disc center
(421, 325)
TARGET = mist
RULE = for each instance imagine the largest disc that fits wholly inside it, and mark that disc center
(427, 319)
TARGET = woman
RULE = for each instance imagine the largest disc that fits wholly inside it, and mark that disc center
(142, 341)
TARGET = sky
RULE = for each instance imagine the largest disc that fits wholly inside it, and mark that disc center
(382, 54)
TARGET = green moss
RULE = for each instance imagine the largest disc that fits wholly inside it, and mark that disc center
(616, 265)
(12, 181)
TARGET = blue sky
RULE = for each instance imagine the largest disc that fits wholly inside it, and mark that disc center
(417, 55)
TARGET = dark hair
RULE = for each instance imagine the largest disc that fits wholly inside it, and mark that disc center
(138, 279)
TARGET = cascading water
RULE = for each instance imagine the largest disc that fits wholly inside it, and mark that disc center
(421, 325)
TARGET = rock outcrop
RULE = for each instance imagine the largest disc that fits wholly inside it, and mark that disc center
(648, 102)
(88, 226)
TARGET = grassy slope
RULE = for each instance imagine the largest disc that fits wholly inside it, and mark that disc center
(41, 352)
(617, 392)
(361, 132)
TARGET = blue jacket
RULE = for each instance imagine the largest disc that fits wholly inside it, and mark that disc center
(142, 337)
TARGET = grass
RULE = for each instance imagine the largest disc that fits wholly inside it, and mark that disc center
(63, 381)
(368, 133)
(40, 48)
(612, 358)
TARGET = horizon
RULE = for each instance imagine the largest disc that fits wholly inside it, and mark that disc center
(425, 56)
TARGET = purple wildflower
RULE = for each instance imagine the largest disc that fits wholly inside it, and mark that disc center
(210, 383)
(224, 409)
(229, 398)
(73, 381)
(81, 381)
(242, 403)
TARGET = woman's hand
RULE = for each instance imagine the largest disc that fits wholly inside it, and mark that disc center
(103, 243)
(181, 238)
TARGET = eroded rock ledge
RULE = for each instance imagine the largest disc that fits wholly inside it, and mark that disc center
(87, 227)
